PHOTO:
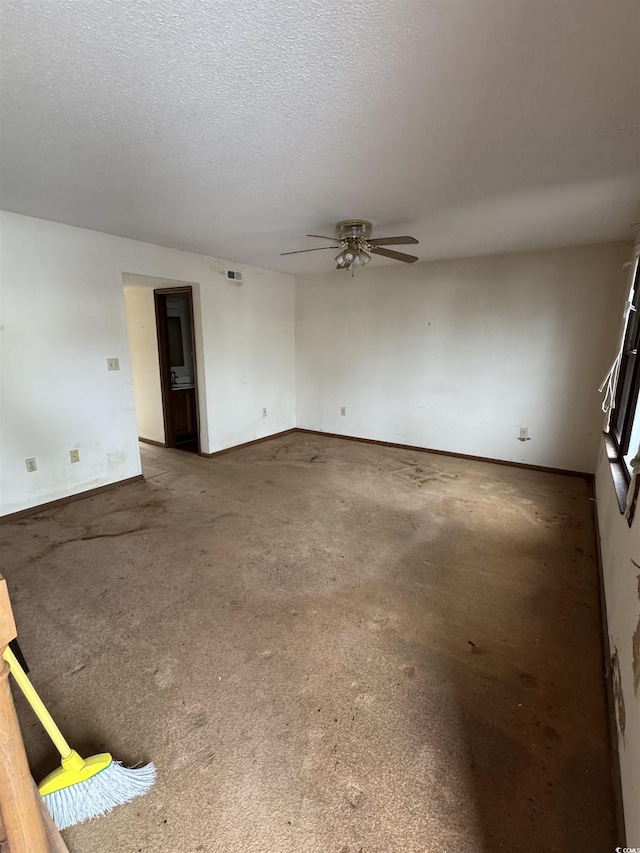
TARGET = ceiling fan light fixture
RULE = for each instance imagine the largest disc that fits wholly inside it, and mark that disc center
(362, 258)
(346, 258)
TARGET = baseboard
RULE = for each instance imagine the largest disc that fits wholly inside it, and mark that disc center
(417, 448)
(151, 441)
(89, 493)
(412, 447)
(614, 738)
(249, 443)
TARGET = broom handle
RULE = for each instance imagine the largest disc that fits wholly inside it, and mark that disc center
(36, 703)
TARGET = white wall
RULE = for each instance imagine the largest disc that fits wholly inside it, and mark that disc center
(459, 355)
(249, 347)
(145, 363)
(455, 355)
(63, 316)
(620, 546)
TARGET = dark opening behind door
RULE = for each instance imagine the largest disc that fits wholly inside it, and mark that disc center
(178, 377)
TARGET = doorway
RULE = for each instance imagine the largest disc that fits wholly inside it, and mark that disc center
(178, 376)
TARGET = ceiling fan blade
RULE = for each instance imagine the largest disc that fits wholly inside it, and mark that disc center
(318, 249)
(391, 241)
(397, 256)
(321, 237)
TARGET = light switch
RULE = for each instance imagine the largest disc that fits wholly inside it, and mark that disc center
(113, 364)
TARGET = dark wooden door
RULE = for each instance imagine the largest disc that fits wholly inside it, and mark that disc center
(176, 349)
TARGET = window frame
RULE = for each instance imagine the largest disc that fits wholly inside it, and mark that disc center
(625, 410)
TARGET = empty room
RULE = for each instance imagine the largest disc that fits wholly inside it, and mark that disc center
(320, 426)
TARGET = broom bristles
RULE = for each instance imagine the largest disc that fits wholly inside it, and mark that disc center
(113, 786)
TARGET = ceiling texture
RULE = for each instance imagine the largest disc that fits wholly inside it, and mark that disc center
(234, 128)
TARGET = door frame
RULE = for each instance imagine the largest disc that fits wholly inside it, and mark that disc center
(160, 301)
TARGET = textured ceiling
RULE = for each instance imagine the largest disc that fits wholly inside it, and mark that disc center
(233, 128)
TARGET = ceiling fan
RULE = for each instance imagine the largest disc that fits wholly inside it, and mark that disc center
(357, 245)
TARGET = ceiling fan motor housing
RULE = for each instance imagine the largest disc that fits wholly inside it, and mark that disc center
(354, 230)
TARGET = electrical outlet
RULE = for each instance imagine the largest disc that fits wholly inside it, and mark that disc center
(74, 455)
(524, 434)
(343, 410)
(113, 364)
(31, 465)
(264, 412)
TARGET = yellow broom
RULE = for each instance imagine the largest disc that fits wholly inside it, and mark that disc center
(82, 788)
